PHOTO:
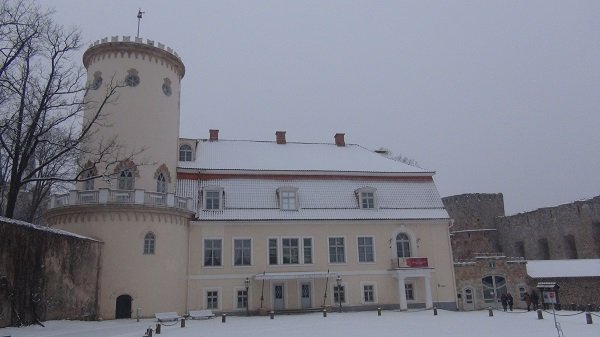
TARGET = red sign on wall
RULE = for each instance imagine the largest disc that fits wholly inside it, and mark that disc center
(416, 262)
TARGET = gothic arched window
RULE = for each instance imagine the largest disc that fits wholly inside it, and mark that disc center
(161, 183)
(126, 180)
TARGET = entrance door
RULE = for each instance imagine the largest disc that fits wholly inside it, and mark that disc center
(305, 300)
(278, 300)
(123, 309)
(468, 299)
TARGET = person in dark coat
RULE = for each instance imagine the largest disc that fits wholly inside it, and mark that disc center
(527, 301)
(510, 301)
(535, 299)
(504, 301)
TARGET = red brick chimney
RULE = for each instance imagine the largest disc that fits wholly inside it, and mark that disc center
(280, 137)
(339, 139)
(214, 135)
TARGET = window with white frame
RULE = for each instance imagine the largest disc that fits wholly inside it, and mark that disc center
(402, 245)
(288, 198)
(212, 299)
(149, 243)
(213, 197)
(366, 198)
(293, 250)
(185, 153)
(242, 251)
(368, 293)
(409, 289)
(213, 249)
(308, 251)
(241, 299)
(161, 183)
(273, 256)
(339, 294)
(336, 250)
(365, 249)
(290, 250)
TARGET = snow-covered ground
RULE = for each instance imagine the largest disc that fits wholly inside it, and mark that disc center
(363, 324)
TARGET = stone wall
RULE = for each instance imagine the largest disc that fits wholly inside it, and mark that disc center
(469, 275)
(570, 231)
(46, 274)
(577, 291)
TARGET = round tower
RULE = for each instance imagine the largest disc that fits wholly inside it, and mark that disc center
(142, 118)
(133, 210)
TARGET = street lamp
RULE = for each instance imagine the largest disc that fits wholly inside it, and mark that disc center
(247, 283)
(339, 290)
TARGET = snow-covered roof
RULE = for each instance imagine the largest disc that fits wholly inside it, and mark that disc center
(313, 157)
(42, 228)
(563, 268)
(329, 199)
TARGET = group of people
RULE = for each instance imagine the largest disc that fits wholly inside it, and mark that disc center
(508, 301)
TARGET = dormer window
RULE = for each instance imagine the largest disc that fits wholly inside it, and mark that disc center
(288, 198)
(366, 198)
(212, 198)
(185, 153)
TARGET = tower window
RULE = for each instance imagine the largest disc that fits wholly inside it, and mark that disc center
(161, 183)
(126, 180)
(149, 243)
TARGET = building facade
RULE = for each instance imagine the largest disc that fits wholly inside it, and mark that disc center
(246, 226)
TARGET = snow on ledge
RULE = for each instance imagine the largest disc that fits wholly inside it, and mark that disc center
(563, 268)
(43, 228)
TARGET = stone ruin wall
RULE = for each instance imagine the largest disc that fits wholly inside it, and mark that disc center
(569, 231)
(46, 275)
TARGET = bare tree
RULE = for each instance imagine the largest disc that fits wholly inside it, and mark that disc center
(42, 101)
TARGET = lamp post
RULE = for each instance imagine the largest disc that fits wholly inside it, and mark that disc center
(339, 290)
(247, 284)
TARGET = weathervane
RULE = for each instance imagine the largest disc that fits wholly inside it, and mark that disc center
(139, 16)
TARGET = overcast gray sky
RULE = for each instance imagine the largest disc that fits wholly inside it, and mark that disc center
(495, 96)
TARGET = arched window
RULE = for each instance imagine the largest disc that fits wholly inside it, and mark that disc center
(402, 245)
(161, 183)
(88, 184)
(493, 288)
(185, 153)
(149, 243)
(126, 180)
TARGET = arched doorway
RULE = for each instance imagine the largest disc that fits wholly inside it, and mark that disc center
(123, 309)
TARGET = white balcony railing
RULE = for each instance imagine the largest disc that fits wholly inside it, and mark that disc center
(107, 196)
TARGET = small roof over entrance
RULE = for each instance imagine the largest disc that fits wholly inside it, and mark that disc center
(293, 275)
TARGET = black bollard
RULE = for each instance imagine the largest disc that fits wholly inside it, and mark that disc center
(378, 311)
(588, 317)
(324, 312)
(434, 311)
(272, 314)
(490, 312)
(183, 322)
(157, 328)
(149, 332)
(540, 315)
(223, 318)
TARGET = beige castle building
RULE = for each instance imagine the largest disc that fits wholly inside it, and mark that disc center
(236, 226)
